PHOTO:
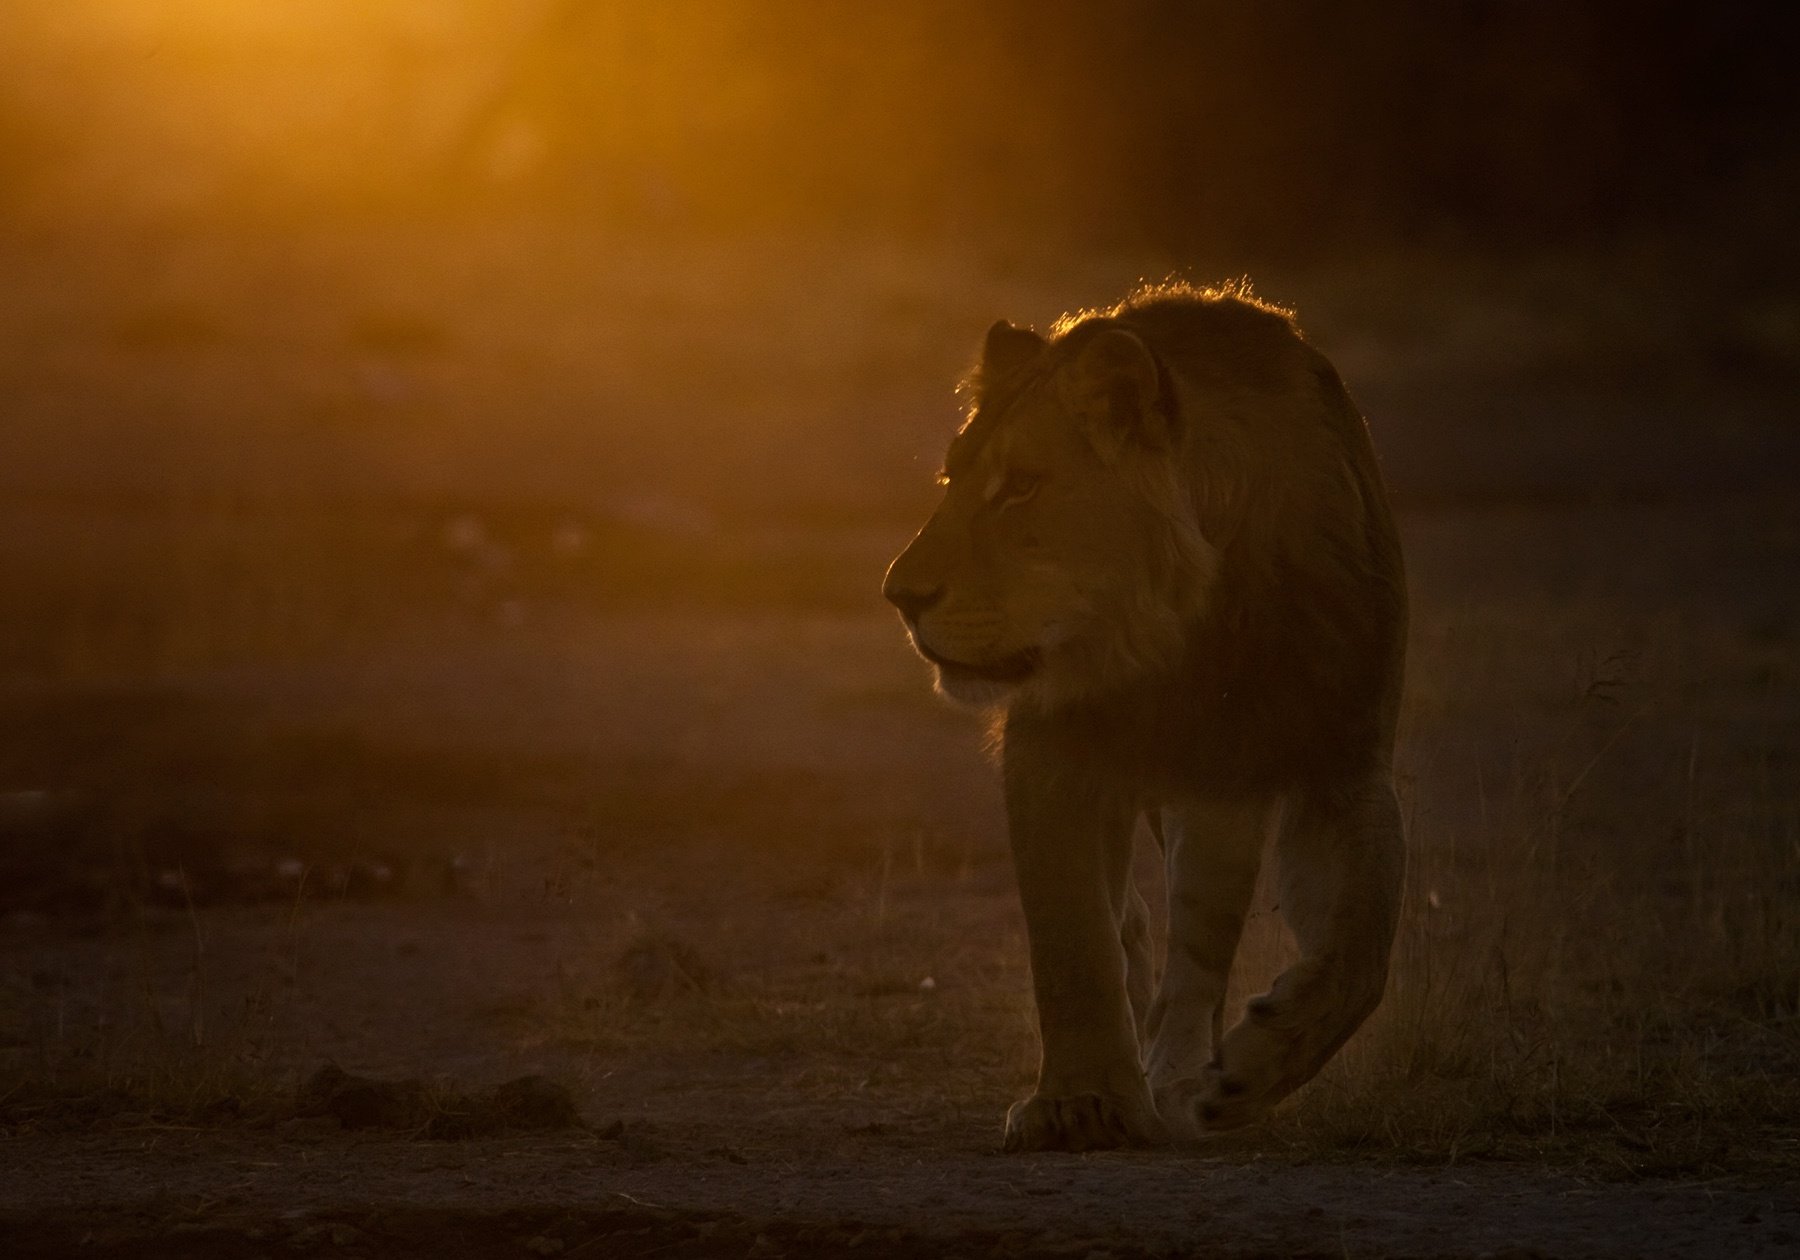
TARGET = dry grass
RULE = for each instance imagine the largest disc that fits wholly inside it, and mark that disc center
(1599, 956)
(1579, 1017)
(153, 1045)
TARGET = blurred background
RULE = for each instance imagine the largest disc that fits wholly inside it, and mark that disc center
(349, 335)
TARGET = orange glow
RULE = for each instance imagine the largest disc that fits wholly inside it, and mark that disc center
(706, 111)
(185, 102)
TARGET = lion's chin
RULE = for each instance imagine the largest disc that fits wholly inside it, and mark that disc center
(972, 690)
(984, 686)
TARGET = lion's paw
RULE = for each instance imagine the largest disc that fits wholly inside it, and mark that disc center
(1264, 1059)
(1230, 1100)
(1192, 1107)
(1082, 1122)
(1178, 1105)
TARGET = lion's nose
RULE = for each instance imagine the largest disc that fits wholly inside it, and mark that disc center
(911, 600)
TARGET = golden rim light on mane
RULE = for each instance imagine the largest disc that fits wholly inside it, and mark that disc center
(1239, 289)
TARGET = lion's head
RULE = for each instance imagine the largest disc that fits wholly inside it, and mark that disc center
(1066, 556)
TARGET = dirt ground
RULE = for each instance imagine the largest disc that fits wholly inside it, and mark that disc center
(241, 1195)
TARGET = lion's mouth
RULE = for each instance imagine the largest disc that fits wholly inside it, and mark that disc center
(1015, 668)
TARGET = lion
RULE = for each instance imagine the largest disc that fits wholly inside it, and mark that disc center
(1165, 564)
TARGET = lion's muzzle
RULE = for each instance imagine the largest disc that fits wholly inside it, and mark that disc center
(912, 601)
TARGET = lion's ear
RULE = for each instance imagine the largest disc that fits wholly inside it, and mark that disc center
(1007, 349)
(1114, 389)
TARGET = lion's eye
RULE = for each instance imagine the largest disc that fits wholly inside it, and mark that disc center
(1016, 487)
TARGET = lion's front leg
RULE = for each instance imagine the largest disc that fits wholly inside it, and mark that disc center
(1071, 843)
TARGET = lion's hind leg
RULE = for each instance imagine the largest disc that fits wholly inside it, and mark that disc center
(1342, 859)
(1140, 961)
(1211, 855)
